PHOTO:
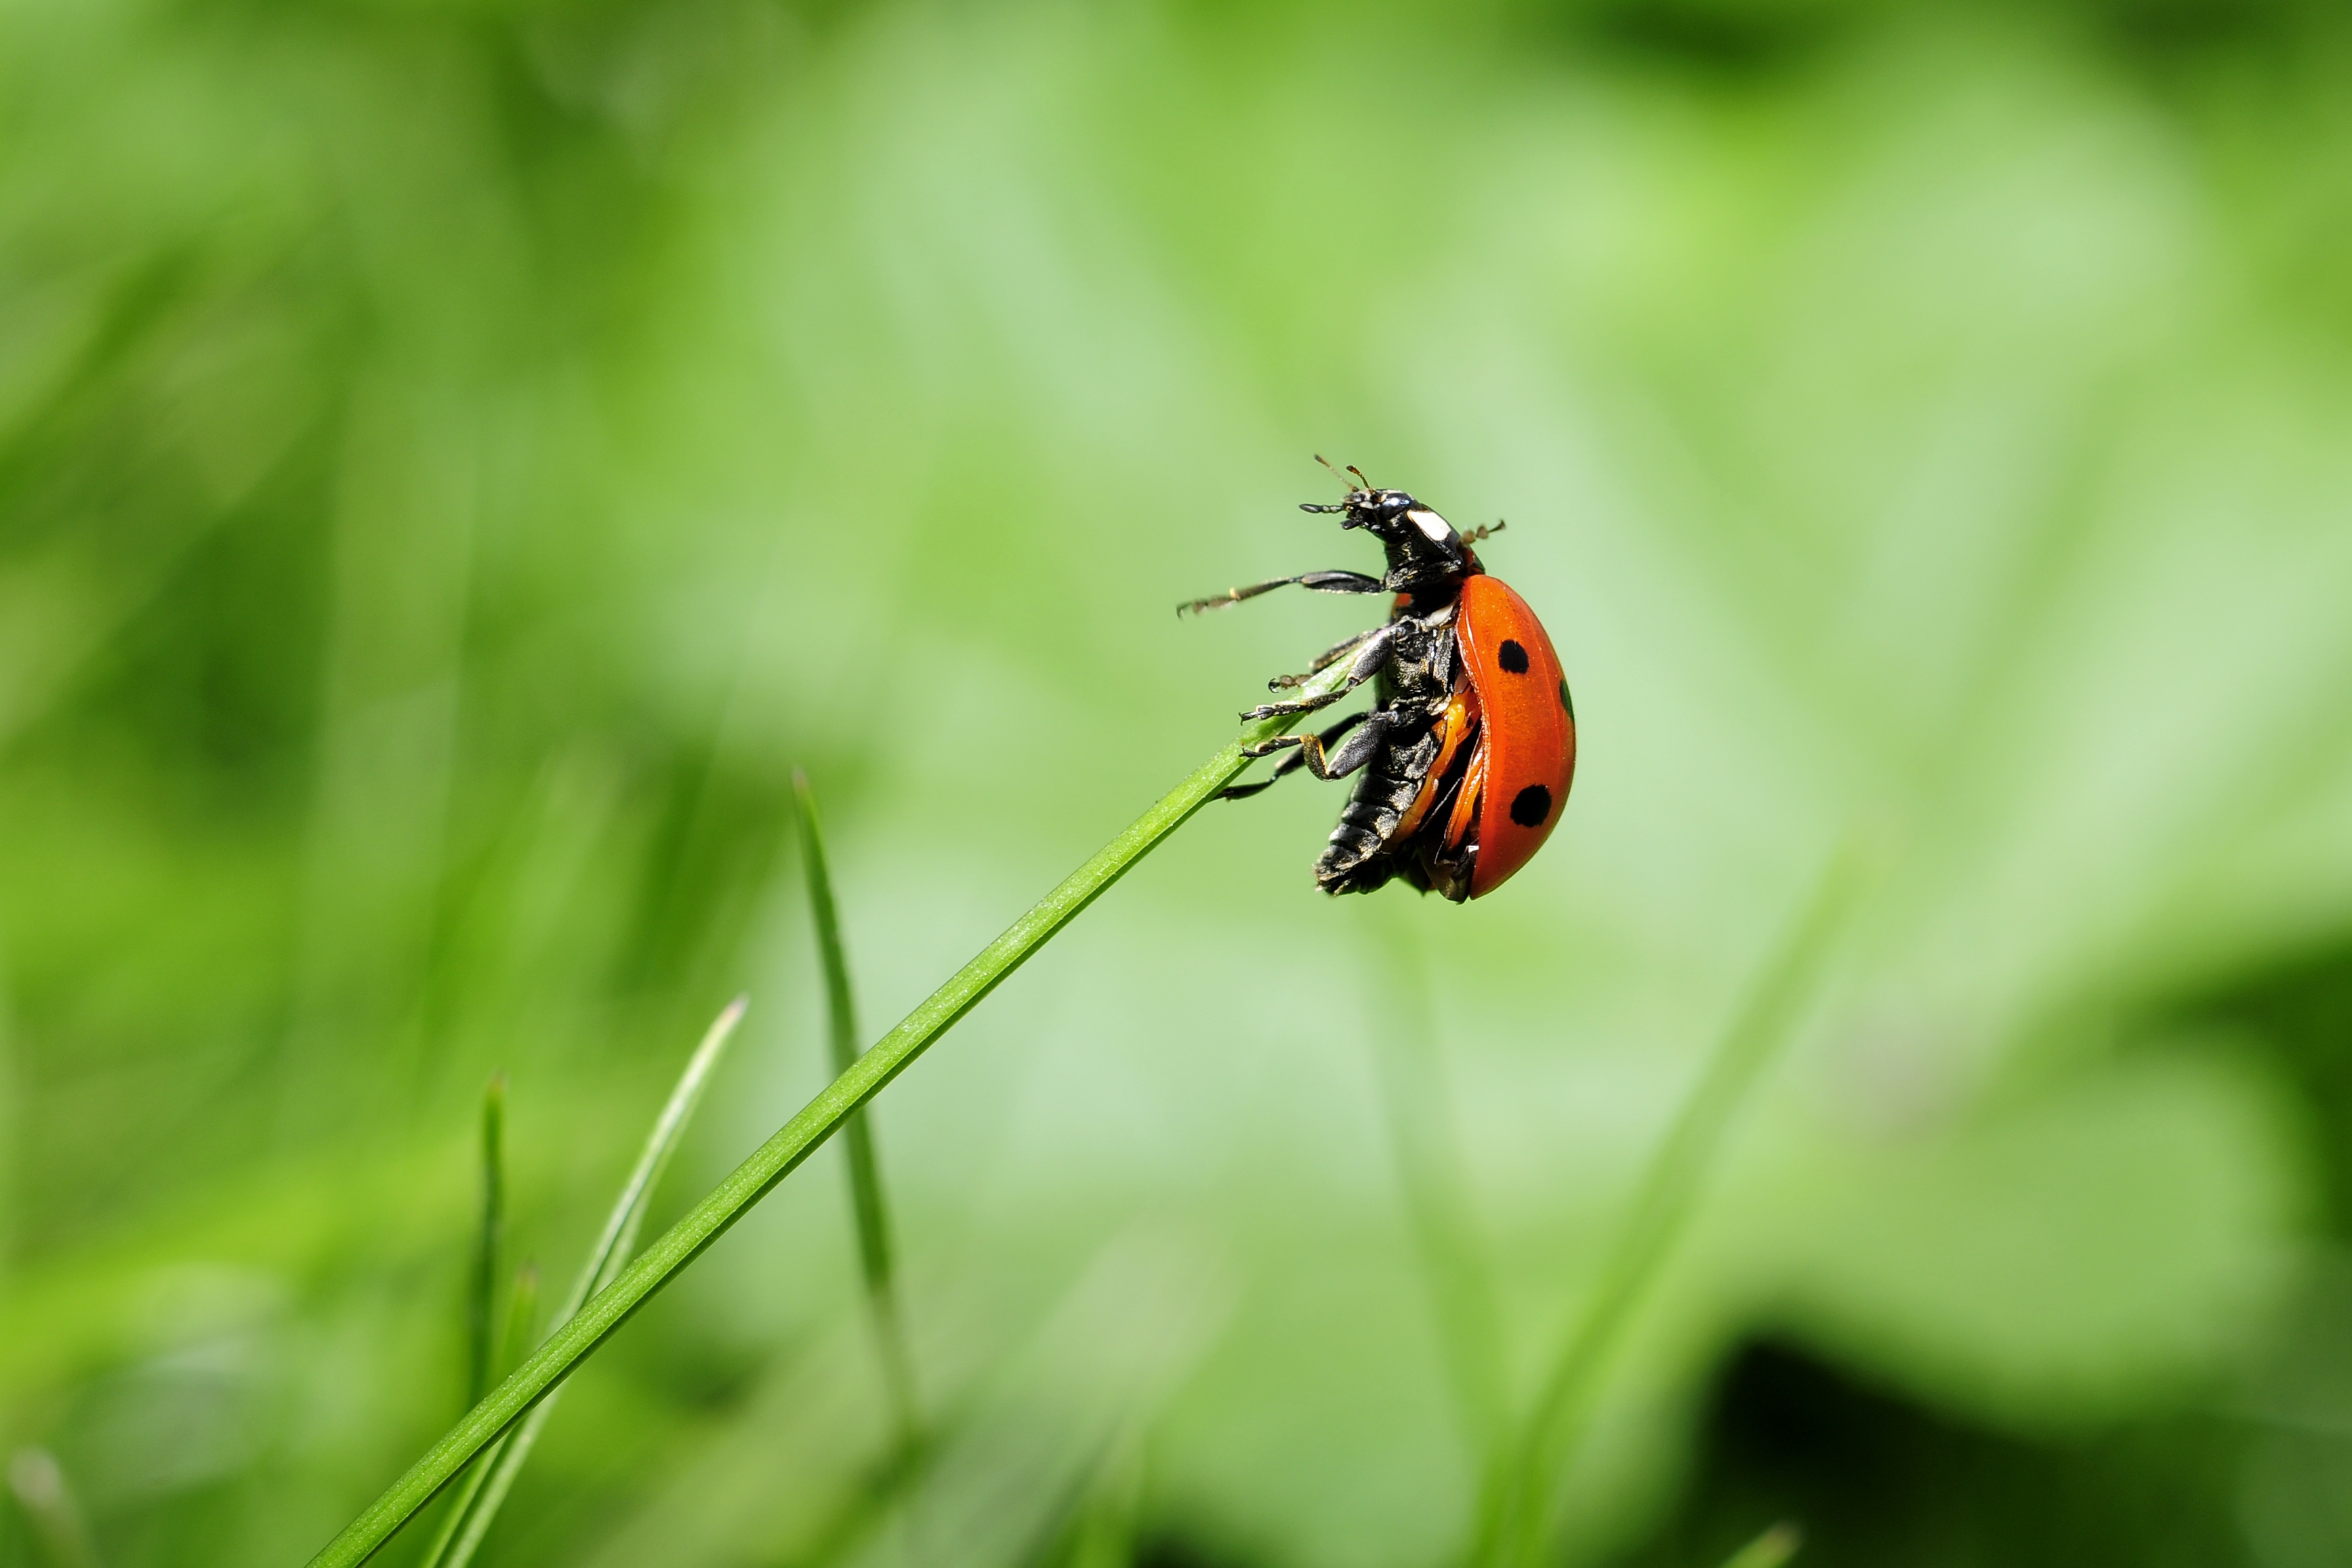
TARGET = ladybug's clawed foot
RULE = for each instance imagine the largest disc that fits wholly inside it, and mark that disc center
(1296, 705)
(1327, 659)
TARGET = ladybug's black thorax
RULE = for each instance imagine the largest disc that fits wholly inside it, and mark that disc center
(1429, 595)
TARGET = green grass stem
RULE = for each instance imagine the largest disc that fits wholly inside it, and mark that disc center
(1772, 1549)
(490, 1241)
(1517, 1505)
(579, 1336)
(488, 1483)
(868, 1212)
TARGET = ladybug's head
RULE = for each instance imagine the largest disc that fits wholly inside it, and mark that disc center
(1422, 548)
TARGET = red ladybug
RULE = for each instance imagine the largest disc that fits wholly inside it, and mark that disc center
(1469, 748)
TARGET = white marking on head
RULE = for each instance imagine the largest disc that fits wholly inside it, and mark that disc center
(1436, 529)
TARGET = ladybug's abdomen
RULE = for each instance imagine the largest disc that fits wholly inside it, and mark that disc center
(1357, 858)
(1529, 729)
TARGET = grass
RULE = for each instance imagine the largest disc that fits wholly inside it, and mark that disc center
(488, 1481)
(868, 1210)
(579, 1334)
(1925, 405)
(1518, 1499)
(481, 1302)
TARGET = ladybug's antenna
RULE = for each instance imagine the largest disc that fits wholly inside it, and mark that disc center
(1319, 506)
(1484, 531)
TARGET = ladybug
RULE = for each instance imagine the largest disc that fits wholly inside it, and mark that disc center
(1468, 749)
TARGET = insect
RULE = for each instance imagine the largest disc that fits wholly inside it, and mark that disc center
(1468, 752)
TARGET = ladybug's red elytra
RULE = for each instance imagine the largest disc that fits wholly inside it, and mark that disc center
(1469, 747)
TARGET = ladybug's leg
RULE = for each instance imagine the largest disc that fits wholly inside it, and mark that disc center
(1358, 749)
(1292, 764)
(1320, 582)
(1323, 661)
(1294, 705)
(1370, 654)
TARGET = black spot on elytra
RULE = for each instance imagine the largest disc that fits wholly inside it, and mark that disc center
(1564, 703)
(1531, 806)
(1513, 657)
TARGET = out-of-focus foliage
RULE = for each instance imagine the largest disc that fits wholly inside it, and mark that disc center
(455, 458)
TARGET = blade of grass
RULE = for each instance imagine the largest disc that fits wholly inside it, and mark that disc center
(487, 1486)
(866, 1208)
(481, 1296)
(579, 1337)
(1771, 1550)
(1516, 1510)
(481, 1302)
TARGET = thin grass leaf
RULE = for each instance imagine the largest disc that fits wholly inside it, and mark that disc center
(578, 1337)
(1771, 1550)
(522, 1310)
(486, 1488)
(1517, 1510)
(39, 1484)
(868, 1212)
(444, 1539)
(484, 1363)
(481, 1300)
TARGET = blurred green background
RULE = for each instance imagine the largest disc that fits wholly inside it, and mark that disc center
(457, 456)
